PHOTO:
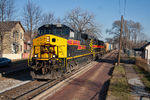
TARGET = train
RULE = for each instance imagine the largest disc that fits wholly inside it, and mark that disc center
(108, 47)
(58, 49)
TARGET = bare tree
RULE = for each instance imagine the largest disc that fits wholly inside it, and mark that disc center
(135, 31)
(1, 40)
(10, 10)
(2, 10)
(58, 20)
(31, 17)
(7, 10)
(132, 32)
(48, 18)
(82, 22)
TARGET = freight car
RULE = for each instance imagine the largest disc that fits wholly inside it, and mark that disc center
(57, 49)
(108, 47)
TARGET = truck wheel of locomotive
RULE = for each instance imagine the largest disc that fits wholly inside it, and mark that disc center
(75, 64)
(68, 68)
(32, 74)
(99, 56)
(54, 74)
(93, 59)
(88, 59)
(59, 72)
(64, 69)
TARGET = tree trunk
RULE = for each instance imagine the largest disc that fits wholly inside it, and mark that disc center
(1, 44)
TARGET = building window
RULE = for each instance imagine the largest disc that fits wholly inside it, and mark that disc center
(17, 35)
(13, 34)
(20, 47)
(15, 48)
(20, 35)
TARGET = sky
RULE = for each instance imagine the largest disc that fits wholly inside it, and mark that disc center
(106, 11)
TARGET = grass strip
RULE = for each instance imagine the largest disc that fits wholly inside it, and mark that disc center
(118, 88)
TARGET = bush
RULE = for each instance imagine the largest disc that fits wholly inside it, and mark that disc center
(142, 64)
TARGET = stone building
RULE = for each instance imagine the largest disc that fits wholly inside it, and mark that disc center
(12, 39)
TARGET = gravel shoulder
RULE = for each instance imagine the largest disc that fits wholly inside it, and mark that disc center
(13, 80)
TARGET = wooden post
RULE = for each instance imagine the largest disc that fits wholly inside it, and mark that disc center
(120, 45)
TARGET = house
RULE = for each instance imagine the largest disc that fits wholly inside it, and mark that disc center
(12, 39)
(27, 42)
(145, 52)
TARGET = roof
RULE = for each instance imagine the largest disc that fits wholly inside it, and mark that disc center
(138, 49)
(8, 25)
(145, 45)
(142, 48)
(26, 37)
(49, 26)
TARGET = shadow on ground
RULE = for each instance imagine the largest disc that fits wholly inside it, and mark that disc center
(23, 75)
(107, 61)
(18, 70)
(103, 91)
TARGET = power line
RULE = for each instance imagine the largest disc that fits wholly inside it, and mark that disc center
(122, 7)
(125, 7)
(119, 8)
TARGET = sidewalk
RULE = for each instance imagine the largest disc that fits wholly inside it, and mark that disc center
(137, 87)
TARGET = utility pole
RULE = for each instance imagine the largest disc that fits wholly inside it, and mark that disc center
(120, 45)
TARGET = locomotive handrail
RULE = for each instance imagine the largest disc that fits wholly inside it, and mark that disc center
(29, 58)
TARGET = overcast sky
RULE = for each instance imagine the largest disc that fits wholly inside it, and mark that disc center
(106, 11)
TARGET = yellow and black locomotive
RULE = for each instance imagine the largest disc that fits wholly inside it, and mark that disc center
(58, 49)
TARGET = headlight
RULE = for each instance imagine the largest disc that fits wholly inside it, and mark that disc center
(54, 56)
(48, 39)
(36, 55)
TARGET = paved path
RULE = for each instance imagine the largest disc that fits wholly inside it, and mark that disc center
(92, 85)
(138, 91)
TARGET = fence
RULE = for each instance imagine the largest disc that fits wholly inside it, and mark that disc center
(25, 55)
(16, 56)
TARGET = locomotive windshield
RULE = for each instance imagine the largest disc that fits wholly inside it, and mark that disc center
(58, 30)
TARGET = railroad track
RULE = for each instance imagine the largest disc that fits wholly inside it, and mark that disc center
(37, 87)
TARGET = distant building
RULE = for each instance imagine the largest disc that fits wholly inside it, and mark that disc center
(145, 52)
(27, 42)
(13, 38)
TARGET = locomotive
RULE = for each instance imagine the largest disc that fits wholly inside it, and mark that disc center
(58, 49)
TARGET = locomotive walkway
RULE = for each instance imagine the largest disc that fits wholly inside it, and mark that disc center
(90, 85)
